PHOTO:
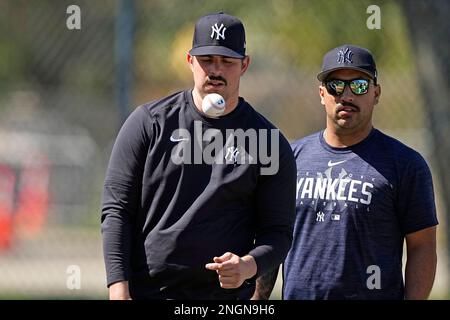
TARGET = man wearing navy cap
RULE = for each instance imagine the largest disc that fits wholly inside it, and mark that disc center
(360, 194)
(193, 206)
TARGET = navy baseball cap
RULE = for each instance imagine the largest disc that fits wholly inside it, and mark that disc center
(219, 34)
(348, 57)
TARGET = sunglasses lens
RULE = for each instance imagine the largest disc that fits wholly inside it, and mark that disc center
(335, 87)
(359, 86)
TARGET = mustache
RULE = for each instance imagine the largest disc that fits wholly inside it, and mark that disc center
(216, 78)
(346, 104)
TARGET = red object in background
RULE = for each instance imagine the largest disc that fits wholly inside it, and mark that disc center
(7, 183)
(33, 198)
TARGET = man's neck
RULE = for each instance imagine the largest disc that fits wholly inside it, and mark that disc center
(345, 139)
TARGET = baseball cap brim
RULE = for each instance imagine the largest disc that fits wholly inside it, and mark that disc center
(324, 74)
(216, 51)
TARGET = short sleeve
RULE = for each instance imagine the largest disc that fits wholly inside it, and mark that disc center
(416, 203)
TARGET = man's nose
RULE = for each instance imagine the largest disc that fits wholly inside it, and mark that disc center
(216, 67)
(347, 95)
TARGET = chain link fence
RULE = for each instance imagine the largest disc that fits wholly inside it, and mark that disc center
(62, 102)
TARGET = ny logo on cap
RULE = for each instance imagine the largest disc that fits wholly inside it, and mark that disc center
(345, 56)
(217, 30)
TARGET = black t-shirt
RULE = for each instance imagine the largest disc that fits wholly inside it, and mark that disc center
(182, 188)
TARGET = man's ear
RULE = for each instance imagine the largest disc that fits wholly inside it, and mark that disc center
(377, 93)
(190, 60)
(322, 94)
(245, 64)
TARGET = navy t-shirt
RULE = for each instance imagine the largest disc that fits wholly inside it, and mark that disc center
(354, 207)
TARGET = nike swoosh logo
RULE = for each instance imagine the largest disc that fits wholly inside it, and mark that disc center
(173, 139)
(331, 163)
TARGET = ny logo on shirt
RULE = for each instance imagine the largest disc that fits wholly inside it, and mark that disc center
(320, 216)
(232, 154)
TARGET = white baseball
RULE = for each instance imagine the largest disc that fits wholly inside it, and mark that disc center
(213, 105)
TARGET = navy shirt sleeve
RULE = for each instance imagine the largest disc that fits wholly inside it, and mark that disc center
(416, 202)
(121, 193)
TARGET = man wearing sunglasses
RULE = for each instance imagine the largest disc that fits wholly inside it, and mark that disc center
(360, 194)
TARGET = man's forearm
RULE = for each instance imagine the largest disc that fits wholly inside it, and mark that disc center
(419, 273)
(264, 285)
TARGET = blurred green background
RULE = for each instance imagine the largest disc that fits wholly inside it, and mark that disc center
(64, 94)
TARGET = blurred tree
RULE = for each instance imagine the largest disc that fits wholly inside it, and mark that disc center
(429, 28)
(12, 50)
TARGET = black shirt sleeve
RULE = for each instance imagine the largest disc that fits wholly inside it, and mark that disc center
(121, 193)
(275, 205)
